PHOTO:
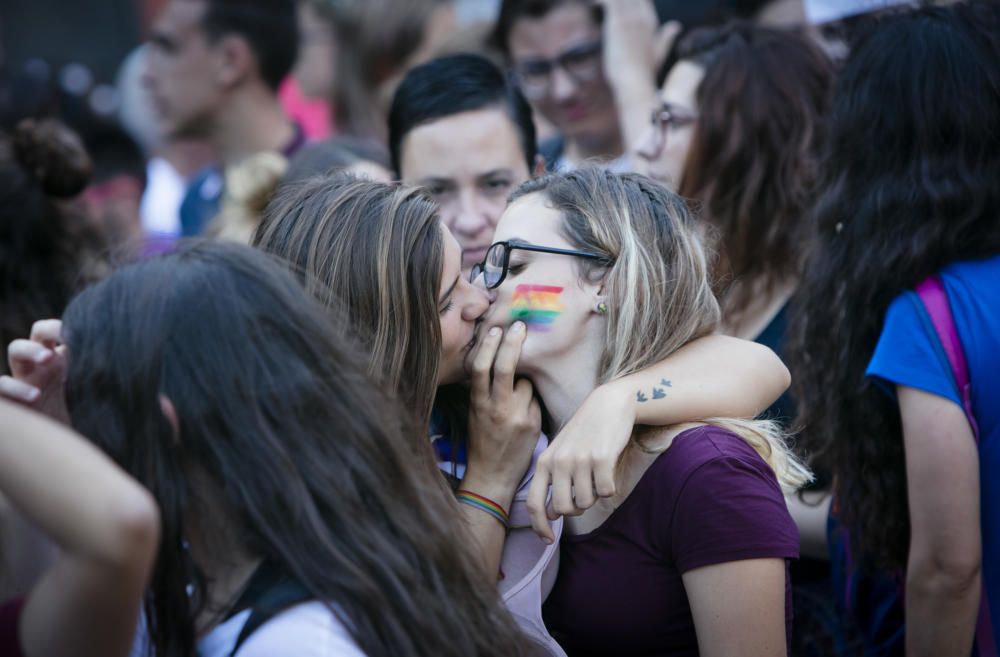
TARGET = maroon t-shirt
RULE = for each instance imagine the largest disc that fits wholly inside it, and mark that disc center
(708, 499)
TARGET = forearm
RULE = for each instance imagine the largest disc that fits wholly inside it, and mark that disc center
(72, 491)
(714, 376)
(486, 532)
(941, 610)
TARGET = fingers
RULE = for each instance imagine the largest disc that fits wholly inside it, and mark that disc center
(482, 363)
(604, 476)
(19, 391)
(562, 489)
(48, 332)
(537, 494)
(24, 356)
(583, 489)
(507, 357)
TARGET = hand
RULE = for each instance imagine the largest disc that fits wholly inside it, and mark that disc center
(504, 420)
(38, 368)
(633, 44)
(580, 462)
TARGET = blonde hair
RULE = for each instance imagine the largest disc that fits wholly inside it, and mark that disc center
(657, 283)
(249, 187)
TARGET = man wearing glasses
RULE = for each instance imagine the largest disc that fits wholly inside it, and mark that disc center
(554, 51)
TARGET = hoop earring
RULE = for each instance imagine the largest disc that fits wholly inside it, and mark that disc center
(602, 308)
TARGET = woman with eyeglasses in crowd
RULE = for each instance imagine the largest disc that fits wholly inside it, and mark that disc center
(688, 552)
(383, 251)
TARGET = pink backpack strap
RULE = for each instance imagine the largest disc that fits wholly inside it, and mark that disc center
(935, 301)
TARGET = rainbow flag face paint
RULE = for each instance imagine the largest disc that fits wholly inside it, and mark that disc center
(536, 305)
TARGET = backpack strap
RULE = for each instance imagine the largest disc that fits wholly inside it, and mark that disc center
(934, 300)
(936, 311)
(268, 593)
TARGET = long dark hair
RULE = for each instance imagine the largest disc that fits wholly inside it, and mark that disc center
(912, 184)
(306, 455)
(48, 249)
(754, 158)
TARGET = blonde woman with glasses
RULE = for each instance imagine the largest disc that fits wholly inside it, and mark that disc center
(688, 552)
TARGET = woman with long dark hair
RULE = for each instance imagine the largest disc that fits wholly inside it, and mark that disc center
(910, 190)
(295, 515)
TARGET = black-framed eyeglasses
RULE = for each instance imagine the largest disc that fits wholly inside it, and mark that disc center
(494, 267)
(668, 115)
(582, 63)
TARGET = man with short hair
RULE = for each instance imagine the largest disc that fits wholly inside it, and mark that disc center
(460, 130)
(213, 70)
(554, 49)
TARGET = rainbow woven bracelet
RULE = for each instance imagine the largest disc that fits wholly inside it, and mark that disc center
(484, 504)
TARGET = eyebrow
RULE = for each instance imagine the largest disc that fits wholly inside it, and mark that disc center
(423, 182)
(447, 293)
(496, 172)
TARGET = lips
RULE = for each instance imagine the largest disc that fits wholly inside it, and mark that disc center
(574, 112)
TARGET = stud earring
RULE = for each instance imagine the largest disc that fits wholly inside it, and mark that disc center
(602, 308)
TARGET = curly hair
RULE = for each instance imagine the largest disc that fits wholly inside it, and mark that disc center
(912, 166)
(753, 161)
(46, 244)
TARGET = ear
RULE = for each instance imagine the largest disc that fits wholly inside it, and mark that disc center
(539, 166)
(235, 60)
(599, 296)
(170, 413)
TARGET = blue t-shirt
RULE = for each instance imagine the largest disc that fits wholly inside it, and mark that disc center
(906, 355)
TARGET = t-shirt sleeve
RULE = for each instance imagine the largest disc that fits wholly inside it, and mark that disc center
(906, 354)
(730, 509)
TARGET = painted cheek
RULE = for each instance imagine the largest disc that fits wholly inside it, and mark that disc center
(537, 306)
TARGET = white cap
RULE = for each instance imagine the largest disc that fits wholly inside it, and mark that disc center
(828, 11)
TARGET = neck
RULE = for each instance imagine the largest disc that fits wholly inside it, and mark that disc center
(564, 385)
(600, 147)
(251, 122)
(764, 305)
(218, 552)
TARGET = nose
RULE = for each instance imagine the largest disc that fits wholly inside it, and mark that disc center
(651, 144)
(470, 220)
(477, 303)
(564, 87)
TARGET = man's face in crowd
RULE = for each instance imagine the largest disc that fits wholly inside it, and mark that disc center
(182, 70)
(572, 94)
(468, 162)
